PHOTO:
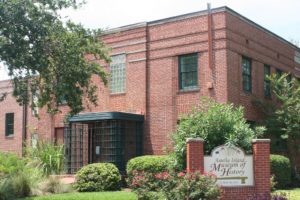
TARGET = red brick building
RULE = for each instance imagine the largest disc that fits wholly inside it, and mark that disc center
(161, 69)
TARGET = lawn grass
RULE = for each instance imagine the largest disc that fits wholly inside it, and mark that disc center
(88, 196)
(292, 194)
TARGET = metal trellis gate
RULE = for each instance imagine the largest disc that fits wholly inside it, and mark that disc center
(113, 141)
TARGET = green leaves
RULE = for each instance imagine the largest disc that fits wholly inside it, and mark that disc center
(46, 56)
(217, 124)
(284, 122)
(50, 156)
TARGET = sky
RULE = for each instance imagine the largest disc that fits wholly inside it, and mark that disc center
(280, 17)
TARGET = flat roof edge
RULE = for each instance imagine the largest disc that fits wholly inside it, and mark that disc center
(196, 14)
(97, 116)
(249, 21)
(124, 28)
(186, 16)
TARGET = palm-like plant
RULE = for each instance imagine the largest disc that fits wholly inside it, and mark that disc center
(50, 155)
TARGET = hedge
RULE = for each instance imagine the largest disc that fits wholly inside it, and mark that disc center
(281, 169)
(150, 163)
(98, 177)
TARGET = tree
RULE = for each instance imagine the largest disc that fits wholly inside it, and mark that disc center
(286, 116)
(47, 57)
(217, 124)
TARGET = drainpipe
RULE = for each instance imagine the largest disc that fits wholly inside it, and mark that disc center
(24, 128)
(210, 46)
(147, 90)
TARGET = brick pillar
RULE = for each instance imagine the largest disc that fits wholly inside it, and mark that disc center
(261, 160)
(195, 155)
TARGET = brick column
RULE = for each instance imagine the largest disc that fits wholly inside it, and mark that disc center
(195, 155)
(261, 160)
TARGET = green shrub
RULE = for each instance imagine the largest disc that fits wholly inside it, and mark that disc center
(15, 186)
(10, 163)
(53, 185)
(217, 124)
(175, 186)
(147, 164)
(18, 176)
(21, 185)
(6, 189)
(98, 177)
(281, 169)
(50, 156)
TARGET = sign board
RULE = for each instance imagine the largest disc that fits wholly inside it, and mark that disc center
(231, 166)
(97, 150)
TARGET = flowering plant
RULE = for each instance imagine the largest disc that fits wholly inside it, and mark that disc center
(175, 186)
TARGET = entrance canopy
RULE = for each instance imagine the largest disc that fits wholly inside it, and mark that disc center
(96, 116)
(113, 137)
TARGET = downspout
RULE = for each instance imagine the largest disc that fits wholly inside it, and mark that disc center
(210, 48)
(147, 90)
(24, 128)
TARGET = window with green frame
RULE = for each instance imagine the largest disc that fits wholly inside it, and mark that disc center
(267, 84)
(9, 124)
(247, 74)
(278, 73)
(188, 71)
(289, 78)
(117, 74)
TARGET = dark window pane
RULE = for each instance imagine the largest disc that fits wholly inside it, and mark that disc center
(289, 78)
(278, 72)
(246, 74)
(9, 124)
(267, 88)
(188, 71)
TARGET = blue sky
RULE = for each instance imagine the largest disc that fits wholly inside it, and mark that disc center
(280, 17)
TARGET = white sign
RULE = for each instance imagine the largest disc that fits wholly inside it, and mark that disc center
(231, 166)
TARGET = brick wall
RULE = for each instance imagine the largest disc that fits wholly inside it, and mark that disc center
(12, 143)
(152, 51)
(243, 39)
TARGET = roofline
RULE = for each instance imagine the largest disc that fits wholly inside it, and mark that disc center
(186, 16)
(247, 20)
(98, 116)
(5, 80)
(124, 28)
(197, 14)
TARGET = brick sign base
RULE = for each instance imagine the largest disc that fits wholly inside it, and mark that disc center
(261, 170)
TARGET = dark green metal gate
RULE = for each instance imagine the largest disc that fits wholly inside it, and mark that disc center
(108, 140)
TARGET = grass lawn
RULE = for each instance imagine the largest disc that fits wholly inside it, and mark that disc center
(292, 194)
(88, 196)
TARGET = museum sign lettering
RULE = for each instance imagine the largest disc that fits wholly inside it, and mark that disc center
(231, 166)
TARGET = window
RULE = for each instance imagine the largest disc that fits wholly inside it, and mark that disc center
(246, 73)
(62, 100)
(278, 73)
(267, 84)
(251, 123)
(117, 74)
(188, 71)
(9, 124)
(35, 108)
(289, 78)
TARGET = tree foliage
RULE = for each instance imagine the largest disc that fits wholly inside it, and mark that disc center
(47, 57)
(284, 121)
(217, 124)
